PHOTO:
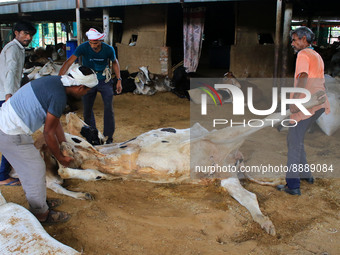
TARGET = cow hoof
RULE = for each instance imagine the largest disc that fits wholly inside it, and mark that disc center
(268, 226)
(88, 196)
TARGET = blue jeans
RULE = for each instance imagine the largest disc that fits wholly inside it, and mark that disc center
(5, 167)
(297, 161)
(106, 90)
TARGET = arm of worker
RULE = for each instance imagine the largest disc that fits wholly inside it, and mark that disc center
(67, 64)
(60, 133)
(54, 137)
(116, 70)
(12, 69)
(301, 83)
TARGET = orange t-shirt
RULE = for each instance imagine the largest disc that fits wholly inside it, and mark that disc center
(310, 62)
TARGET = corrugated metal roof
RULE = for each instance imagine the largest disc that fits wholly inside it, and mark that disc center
(36, 6)
(48, 5)
(102, 3)
(105, 3)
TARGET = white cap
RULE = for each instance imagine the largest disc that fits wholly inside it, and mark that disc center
(93, 34)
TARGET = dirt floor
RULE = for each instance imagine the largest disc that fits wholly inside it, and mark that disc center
(130, 217)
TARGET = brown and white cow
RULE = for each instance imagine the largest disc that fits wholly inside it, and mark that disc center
(166, 155)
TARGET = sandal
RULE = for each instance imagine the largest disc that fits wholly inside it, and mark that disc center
(54, 217)
(15, 182)
(53, 202)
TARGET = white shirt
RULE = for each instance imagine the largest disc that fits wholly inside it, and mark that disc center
(10, 122)
(12, 59)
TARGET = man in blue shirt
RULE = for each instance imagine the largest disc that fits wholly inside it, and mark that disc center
(96, 55)
(40, 102)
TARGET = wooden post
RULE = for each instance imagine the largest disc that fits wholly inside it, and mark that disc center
(42, 36)
(106, 25)
(286, 39)
(79, 32)
(277, 37)
(165, 25)
(317, 32)
(111, 34)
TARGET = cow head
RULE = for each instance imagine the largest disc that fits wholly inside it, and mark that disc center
(143, 82)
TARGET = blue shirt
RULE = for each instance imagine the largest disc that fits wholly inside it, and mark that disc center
(96, 61)
(26, 110)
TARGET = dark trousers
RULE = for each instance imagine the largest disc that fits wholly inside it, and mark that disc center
(297, 161)
(106, 90)
(5, 167)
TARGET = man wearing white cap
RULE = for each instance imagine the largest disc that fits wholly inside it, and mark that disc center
(96, 54)
(39, 102)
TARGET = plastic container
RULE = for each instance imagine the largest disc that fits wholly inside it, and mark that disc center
(70, 48)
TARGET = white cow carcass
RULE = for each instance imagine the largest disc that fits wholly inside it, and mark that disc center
(53, 179)
(167, 156)
(21, 233)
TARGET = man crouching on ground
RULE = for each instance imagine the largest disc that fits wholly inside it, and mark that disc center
(39, 102)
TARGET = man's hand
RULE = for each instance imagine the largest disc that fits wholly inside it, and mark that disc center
(293, 108)
(67, 64)
(8, 96)
(65, 160)
(119, 87)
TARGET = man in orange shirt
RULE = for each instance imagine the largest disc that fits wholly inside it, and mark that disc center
(309, 74)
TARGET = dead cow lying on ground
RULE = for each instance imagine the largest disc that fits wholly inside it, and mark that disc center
(22, 233)
(163, 156)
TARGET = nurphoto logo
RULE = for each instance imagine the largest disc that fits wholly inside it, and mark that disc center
(239, 102)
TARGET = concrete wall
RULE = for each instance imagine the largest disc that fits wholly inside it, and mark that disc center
(248, 58)
(149, 24)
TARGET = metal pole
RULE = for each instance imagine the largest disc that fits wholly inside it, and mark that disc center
(318, 32)
(67, 31)
(55, 33)
(285, 40)
(0, 39)
(106, 25)
(277, 37)
(79, 33)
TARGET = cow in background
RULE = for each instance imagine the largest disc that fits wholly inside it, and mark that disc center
(149, 84)
(181, 82)
(143, 82)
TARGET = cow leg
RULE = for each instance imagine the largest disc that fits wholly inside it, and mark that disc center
(86, 175)
(249, 201)
(57, 188)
